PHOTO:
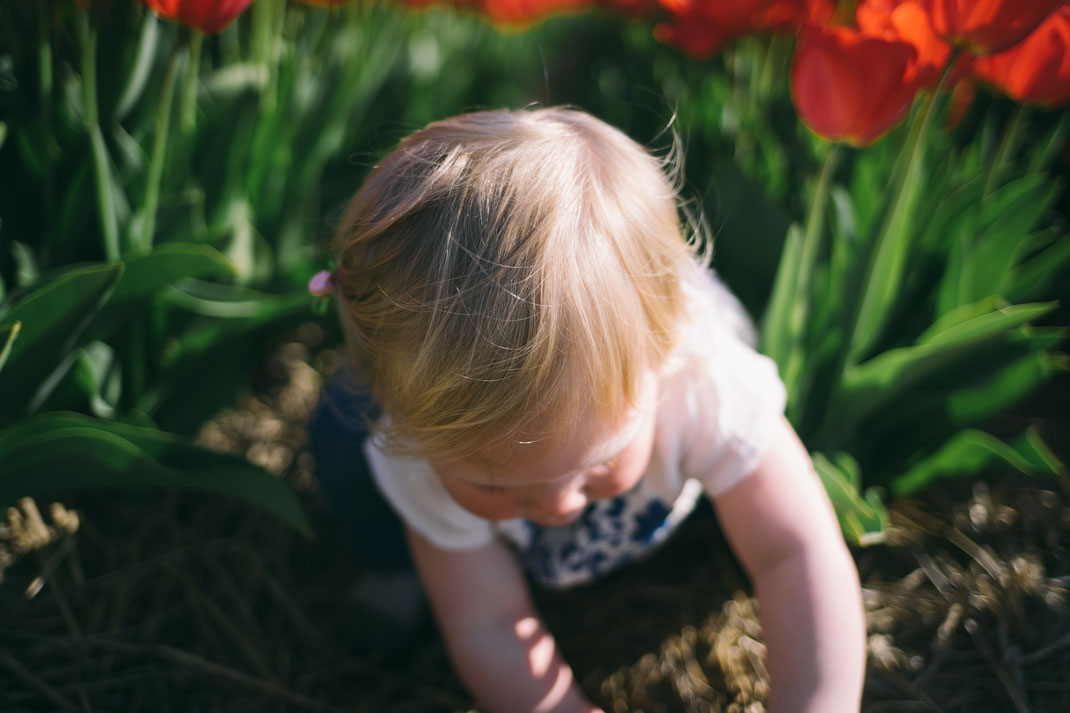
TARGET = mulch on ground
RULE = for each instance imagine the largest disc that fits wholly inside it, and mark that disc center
(185, 602)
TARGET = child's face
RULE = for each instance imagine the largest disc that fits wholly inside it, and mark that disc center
(551, 481)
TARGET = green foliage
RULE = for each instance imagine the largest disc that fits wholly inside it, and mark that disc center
(862, 517)
(172, 193)
(172, 198)
(52, 319)
(61, 452)
(908, 339)
(971, 450)
(903, 301)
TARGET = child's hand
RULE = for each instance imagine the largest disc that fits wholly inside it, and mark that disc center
(497, 642)
(782, 527)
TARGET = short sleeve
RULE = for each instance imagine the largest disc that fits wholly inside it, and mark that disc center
(419, 498)
(732, 395)
(735, 403)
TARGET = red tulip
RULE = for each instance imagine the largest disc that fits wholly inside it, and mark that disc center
(851, 87)
(1036, 71)
(208, 16)
(701, 27)
(988, 26)
(907, 21)
(523, 12)
(631, 8)
(509, 12)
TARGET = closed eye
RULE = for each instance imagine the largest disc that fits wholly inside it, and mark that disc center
(606, 465)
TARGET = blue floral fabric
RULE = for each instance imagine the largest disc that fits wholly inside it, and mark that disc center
(609, 534)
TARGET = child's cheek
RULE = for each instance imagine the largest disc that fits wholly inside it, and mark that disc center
(621, 480)
(629, 469)
(487, 505)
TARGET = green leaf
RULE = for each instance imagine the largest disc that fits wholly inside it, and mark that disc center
(108, 194)
(776, 338)
(896, 367)
(980, 320)
(96, 375)
(211, 299)
(215, 355)
(924, 411)
(972, 451)
(8, 334)
(869, 182)
(890, 245)
(948, 209)
(1005, 388)
(59, 452)
(140, 68)
(967, 349)
(233, 80)
(148, 275)
(25, 264)
(1040, 271)
(1048, 147)
(983, 258)
(53, 318)
(1032, 447)
(863, 519)
(961, 315)
(806, 288)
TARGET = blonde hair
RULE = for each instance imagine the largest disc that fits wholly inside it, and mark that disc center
(503, 274)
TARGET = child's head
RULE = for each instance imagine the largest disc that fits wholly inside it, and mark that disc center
(504, 274)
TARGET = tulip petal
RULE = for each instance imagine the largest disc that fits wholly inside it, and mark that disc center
(208, 16)
(1037, 71)
(850, 87)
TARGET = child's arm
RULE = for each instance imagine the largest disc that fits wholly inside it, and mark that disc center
(781, 525)
(497, 642)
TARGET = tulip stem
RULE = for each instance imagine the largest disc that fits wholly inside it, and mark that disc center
(268, 21)
(811, 242)
(772, 66)
(815, 221)
(260, 29)
(109, 226)
(188, 111)
(44, 86)
(1012, 134)
(159, 152)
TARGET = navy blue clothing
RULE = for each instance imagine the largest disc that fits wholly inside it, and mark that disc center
(336, 438)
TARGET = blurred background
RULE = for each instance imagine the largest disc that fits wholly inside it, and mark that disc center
(884, 185)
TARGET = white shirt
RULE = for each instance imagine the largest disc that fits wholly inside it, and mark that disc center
(718, 403)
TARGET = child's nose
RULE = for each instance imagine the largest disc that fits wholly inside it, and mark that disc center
(562, 500)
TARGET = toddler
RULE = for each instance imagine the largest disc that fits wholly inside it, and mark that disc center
(557, 380)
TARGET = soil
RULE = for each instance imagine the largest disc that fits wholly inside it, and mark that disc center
(188, 602)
